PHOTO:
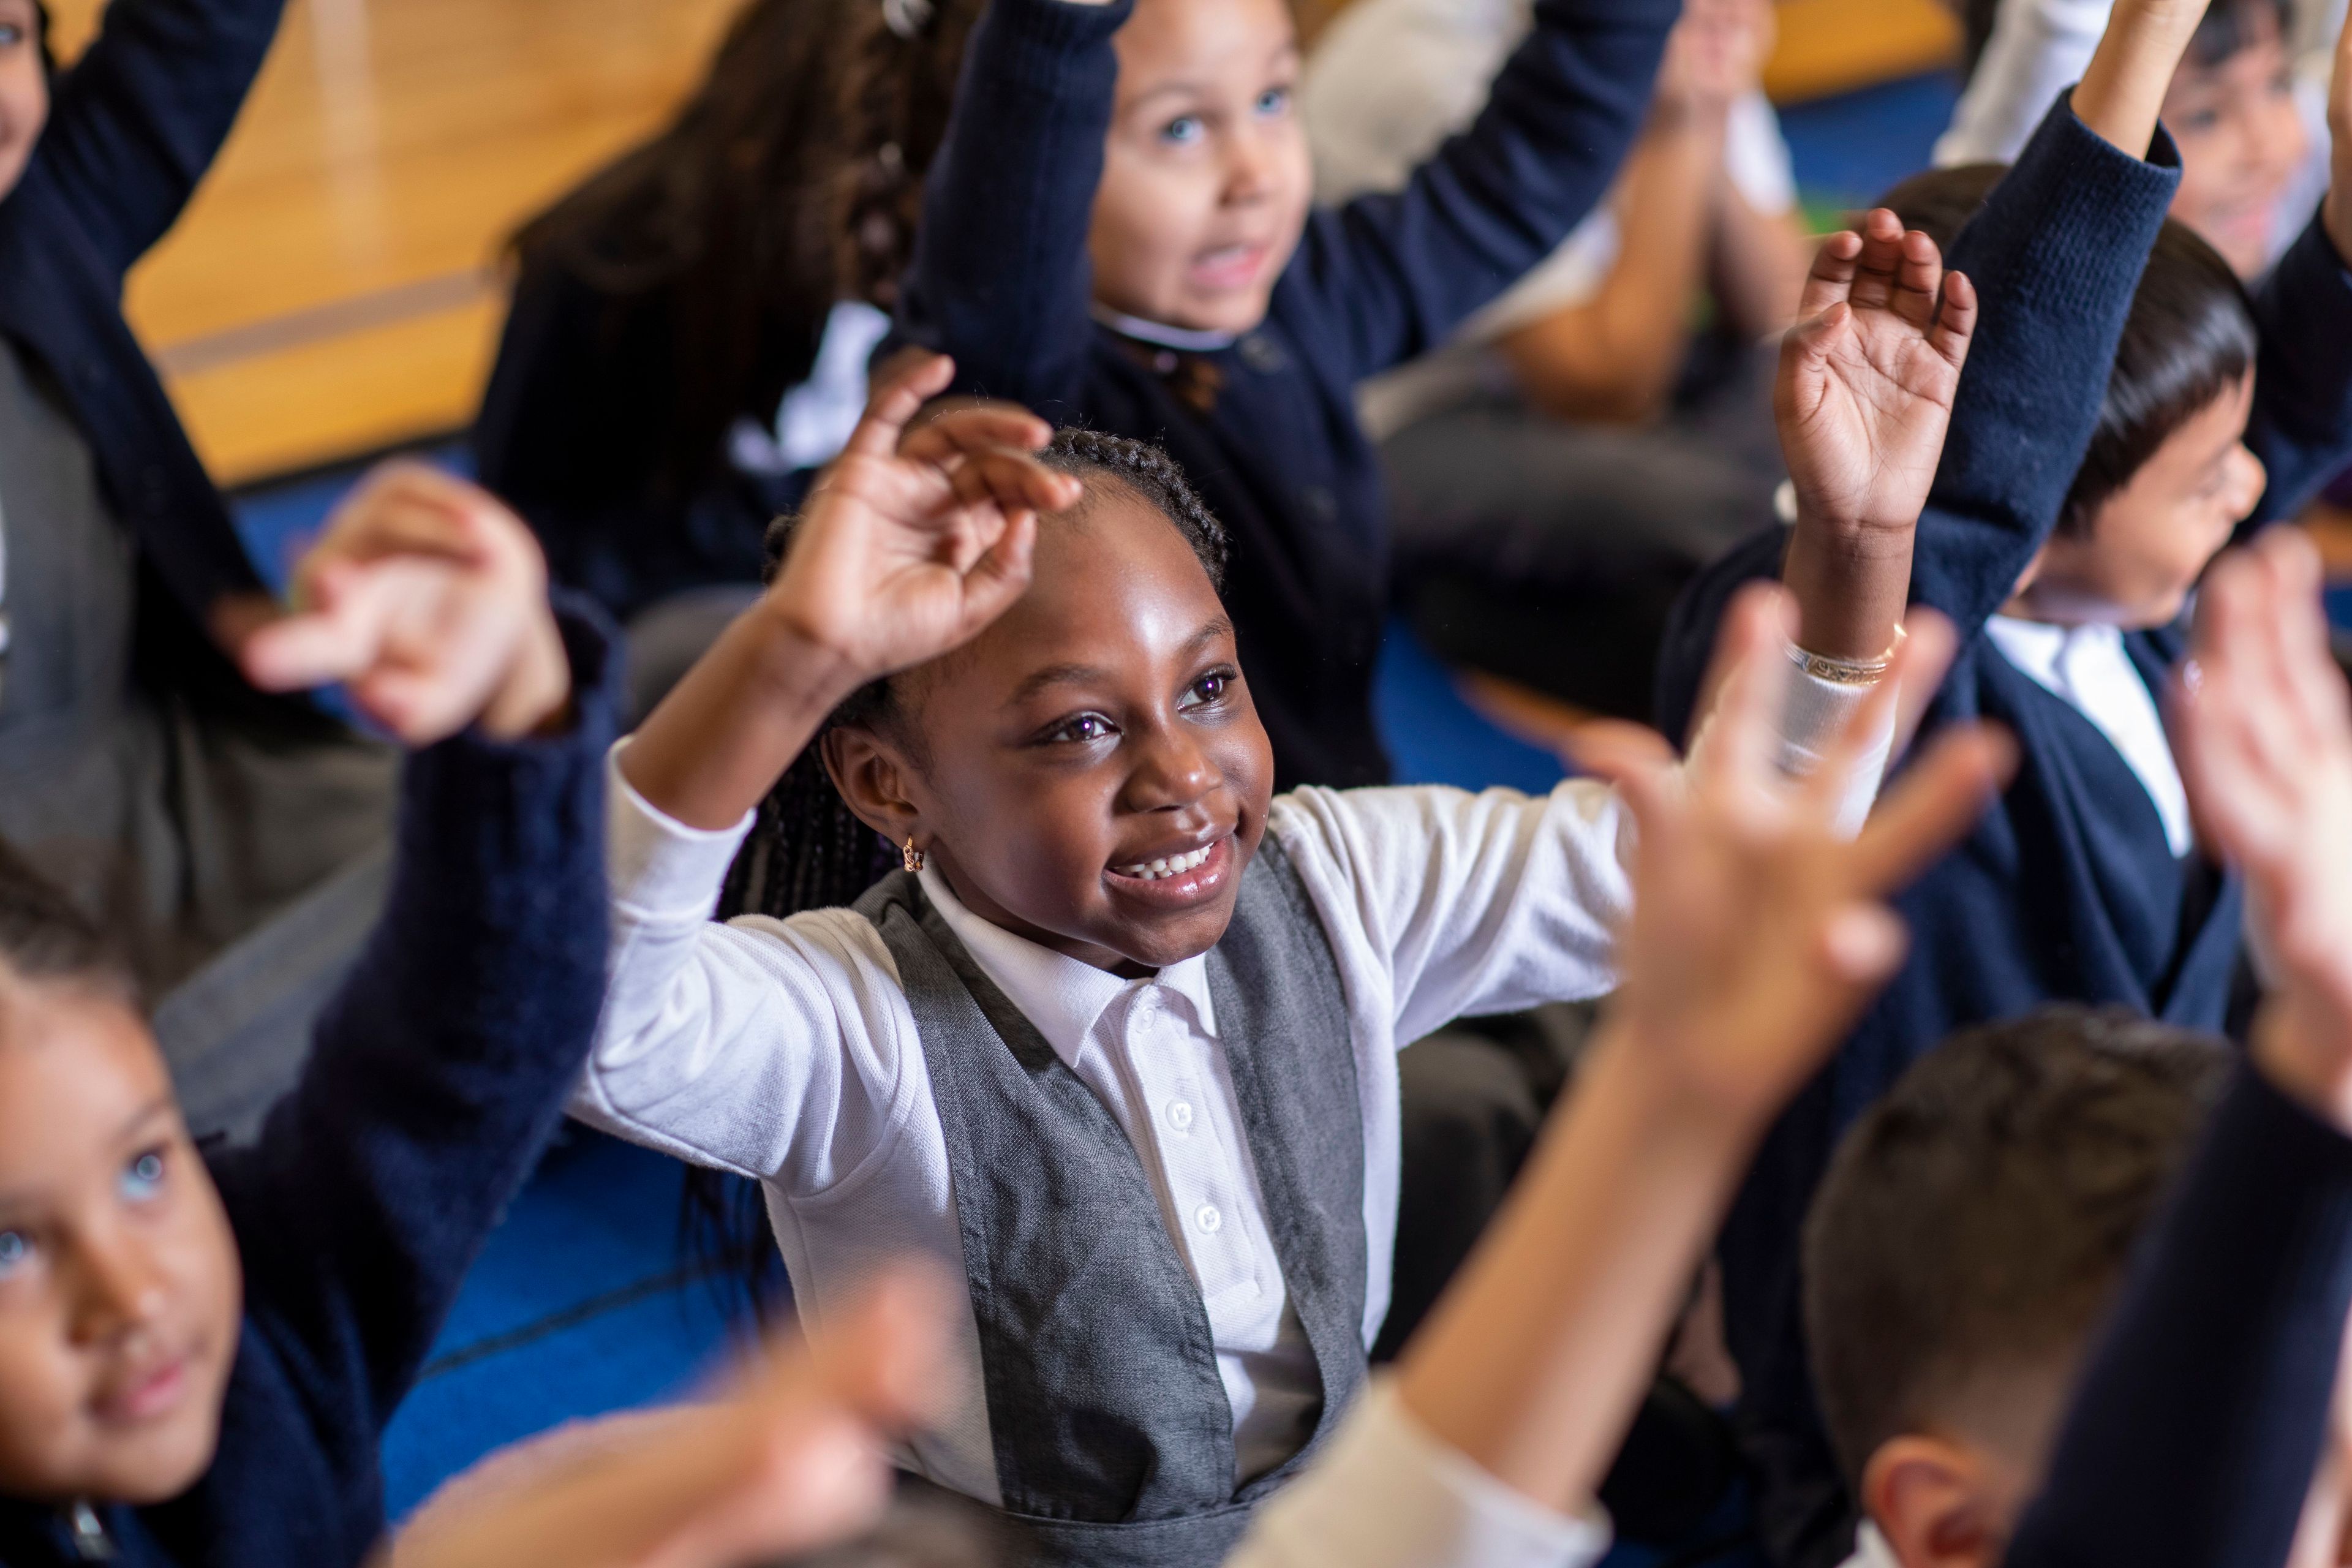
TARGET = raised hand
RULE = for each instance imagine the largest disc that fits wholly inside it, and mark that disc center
(1758, 930)
(1867, 377)
(427, 600)
(1715, 53)
(914, 540)
(791, 1462)
(2264, 731)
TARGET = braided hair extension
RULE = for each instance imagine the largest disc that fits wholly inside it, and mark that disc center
(808, 851)
(901, 58)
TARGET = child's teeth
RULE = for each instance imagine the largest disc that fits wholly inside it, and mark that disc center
(1173, 866)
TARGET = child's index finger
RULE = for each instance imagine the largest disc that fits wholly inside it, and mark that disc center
(1832, 277)
(895, 403)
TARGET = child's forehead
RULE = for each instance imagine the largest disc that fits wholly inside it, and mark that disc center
(1199, 39)
(78, 1071)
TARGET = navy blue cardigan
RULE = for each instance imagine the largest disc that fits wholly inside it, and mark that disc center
(2067, 890)
(132, 126)
(439, 1071)
(1001, 280)
(2203, 1409)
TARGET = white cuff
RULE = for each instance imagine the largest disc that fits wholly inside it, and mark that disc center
(656, 864)
(1387, 1494)
(1818, 714)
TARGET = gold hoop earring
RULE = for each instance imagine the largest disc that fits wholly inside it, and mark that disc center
(913, 857)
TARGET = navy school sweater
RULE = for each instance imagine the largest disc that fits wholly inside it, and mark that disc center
(438, 1072)
(1001, 280)
(2066, 890)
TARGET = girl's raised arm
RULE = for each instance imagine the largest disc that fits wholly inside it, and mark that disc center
(1000, 277)
(907, 547)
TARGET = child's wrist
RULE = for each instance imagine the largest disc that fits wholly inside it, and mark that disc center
(799, 662)
(535, 699)
(1634, 1071)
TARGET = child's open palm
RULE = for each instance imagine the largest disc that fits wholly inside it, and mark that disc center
(1759, 930)
(912, 543)
(1868, 374)
(2264, 731)
(428, 599)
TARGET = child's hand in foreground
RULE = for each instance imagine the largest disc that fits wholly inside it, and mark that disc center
(1759, 931)
(2263, 729)
(1867, 377)
(793, 1461)
(428, 600)
(914, 540)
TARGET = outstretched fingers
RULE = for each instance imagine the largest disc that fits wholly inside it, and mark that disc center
(1878, 270)
(1736, 744)
(1831, 281)
(1939, 798)
(896, 402)
(1918, 277)
(1956, 322)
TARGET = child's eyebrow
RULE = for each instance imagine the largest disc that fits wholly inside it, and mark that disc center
(1054, 675)
(162, 1105)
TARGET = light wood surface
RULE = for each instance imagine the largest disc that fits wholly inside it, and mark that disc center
(334, 288)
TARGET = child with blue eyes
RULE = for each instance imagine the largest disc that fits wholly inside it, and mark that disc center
(1118, 233)
(1118, 1040)
(199, 1349)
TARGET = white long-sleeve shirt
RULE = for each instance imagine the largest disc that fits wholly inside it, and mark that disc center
(786, 1050)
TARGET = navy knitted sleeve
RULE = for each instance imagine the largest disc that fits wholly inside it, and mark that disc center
(2056, 255)
(1000, 277)
(141, 116)
(2199, 1422)
(1396, 272)
(2301, 423)
(440, 1067)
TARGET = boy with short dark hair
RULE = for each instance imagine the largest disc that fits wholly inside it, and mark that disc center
(2100, 456)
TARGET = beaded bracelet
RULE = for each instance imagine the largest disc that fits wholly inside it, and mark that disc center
(1845, 671)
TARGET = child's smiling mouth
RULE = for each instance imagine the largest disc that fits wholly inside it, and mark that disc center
(1176, 880)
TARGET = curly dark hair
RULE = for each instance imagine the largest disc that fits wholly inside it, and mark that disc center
(788, 183)
(808, 850)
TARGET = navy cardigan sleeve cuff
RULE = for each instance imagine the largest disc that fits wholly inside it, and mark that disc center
(2200, 1419)
(2056, 255)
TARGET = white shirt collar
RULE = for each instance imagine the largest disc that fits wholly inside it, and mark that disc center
(1061, 996)
(1871, 1549)
(1185, 339)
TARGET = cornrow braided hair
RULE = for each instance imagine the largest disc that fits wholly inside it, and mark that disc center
(807, 850)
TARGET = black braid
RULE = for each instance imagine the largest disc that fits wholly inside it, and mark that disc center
(895, 99)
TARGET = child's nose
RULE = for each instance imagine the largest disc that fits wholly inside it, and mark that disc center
(121, 1287)
(2252, 481)
(1175, 773)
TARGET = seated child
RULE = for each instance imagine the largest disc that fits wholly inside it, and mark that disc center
(2100, 456)
(1977, 1224)
(169, 800)
(1117, 233)
(2248, 107)
(1581, 447)
(691, 323)
(1120, 1040)
(1758, 930)
(198, 1353)
(1757, 933)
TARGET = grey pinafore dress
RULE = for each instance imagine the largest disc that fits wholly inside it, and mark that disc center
(1113, 1436)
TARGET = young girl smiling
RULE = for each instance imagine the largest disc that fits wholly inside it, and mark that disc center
(1120, 1040)
(1118, 233)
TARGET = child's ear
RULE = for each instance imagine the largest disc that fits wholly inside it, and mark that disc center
(1936, 1502)
(872, 777)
